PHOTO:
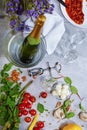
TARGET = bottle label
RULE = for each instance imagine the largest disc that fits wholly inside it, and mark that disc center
(33, 41)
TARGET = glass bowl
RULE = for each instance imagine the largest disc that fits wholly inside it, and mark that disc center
(12, 43)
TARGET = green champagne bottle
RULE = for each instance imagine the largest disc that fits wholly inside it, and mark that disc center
(31, 43)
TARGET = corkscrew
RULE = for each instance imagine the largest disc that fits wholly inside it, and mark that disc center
(40, 71)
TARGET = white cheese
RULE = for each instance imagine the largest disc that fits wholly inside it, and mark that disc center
(61, 90)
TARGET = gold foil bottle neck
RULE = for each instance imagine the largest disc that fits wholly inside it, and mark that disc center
(40, 20)
(38, 27)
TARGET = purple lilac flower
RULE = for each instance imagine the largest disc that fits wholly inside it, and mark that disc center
(38, 4)
(16, 1)
(44, 2)
(30, 12)
(51, 9)
(52, 5)
(15, 8)
(9, 4)
(46, 11)
(12, 23)
(11, 9)
(40, 10)
(35, 14)
(20, 11)
(20, 27)
(26, 27)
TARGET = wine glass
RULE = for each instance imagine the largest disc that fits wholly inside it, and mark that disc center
(66, 50)
(77, 39)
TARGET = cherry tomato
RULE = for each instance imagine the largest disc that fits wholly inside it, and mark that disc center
(32, 112)
(27, 119)
(19, 114)
(32, 99)
(24, 112)
(43, 94)
(21, 106)
(40, 124)
(28, 105)
(36, 128)
(27, 95)
(25, 101)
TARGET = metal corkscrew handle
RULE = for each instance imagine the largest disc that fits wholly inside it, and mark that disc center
(39, 71)
(35, 71)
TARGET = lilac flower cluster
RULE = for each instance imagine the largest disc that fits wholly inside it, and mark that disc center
(30, 8)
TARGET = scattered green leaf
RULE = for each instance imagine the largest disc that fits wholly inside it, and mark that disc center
(74, 90)
(70, 114)
(68, 80)
(7, 67)
(40, 107)
(81, 107)
(66, 103)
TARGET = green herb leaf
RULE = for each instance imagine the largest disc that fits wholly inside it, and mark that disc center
(11, 103)
(40, 107)
(9, 94)
(74, 90)
(3, 74)
(3, 97)
(68, 80)
(70, 115)
(81, 107)
(3, 115)
(66, 103)
(7, 67)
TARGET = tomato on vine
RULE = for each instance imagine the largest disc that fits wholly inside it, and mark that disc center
(36, 128)
(21, 106)
(27, 119)
(40, 124)
(32, 112)
(19, 114)
(27, 95)
(43, 94)
(32, 99)
(24, 112)
(25, 101)
(28, 105)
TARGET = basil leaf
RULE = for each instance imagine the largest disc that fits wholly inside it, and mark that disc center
(10, 103)
(40, 107)
(68, 80)
(66, 103)
(7, 67)
(70, 114)
(74, 90)
(81, 107)
(3, 74)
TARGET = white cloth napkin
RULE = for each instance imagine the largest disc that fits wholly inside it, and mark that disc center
(53, 30)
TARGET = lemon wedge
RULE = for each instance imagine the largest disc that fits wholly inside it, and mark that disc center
(72, 126)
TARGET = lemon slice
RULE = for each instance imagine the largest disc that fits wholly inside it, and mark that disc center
(72, 126)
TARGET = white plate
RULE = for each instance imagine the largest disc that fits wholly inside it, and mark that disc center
(84, 25)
